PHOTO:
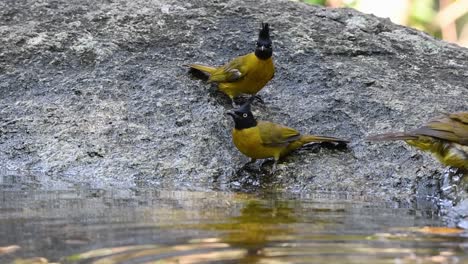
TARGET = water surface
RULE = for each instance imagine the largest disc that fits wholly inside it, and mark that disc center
(96, 226)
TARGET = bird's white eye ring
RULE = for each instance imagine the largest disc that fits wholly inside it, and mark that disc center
(244, 115)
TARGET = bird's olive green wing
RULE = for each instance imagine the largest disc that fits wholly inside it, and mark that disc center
(231, 72)
(452, 127)
(276, 135)
(461, 126)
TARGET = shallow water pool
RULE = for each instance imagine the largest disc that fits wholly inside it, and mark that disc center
(96, 226)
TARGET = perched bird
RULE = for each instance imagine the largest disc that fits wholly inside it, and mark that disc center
(246, 74)
(263, 139)
(446, 137)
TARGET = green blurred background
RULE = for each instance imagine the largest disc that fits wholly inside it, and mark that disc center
(445, 19)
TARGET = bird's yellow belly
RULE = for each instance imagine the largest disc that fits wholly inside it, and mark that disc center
(448, 153)
(456, 156)
(249, 143)
(257, 79)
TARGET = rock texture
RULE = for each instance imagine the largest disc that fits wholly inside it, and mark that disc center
(95, 94)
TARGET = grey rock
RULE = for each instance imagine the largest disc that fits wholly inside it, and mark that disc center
(95, 94)
(462, 208)
(463, 224)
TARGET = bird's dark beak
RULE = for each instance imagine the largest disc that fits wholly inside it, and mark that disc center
(262, 48)
(232, 113)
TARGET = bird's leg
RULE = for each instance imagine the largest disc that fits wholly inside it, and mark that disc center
(273, 169)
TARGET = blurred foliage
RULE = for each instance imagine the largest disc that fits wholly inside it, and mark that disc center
(446, 19)
(421, 15)
(316, 2)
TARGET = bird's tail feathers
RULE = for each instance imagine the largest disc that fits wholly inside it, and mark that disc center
(311, 138)
(391, 137)
(203, 68)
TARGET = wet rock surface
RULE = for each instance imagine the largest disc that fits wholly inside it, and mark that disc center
(96, 95)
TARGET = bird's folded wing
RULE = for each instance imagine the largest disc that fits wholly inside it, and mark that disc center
(461, 126)
(276, 135)
(231, 72)
(453, 128)
(461, 117)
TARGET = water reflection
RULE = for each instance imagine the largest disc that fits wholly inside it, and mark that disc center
(95, 226)
(258, 223)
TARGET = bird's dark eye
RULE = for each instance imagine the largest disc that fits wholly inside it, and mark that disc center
(244, 115)
(268, 46)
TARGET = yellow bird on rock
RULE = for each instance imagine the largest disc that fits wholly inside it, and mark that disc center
(446, 137)
(263, 139)
(246, 74)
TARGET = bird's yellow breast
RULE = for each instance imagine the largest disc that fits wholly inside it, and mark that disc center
(448, 153)
(456, 156)
(249, 142)
(256, 73)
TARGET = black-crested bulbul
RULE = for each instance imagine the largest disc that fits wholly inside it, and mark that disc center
(246, 74)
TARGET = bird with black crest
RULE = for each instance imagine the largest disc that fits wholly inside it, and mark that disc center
(263, 139)
(246, 74)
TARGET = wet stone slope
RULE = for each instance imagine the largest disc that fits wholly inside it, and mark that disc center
(95, 94)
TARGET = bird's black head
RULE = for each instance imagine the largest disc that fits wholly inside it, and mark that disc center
(243, 117)
(264, 49)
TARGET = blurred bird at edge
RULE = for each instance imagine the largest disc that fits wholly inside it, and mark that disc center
(445, 19)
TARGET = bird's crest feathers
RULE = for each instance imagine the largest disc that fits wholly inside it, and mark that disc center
(245, 108)
(264, 32)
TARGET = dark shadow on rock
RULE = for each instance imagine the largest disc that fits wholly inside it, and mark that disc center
(338, 146)
(197, 74)
(254, 178)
